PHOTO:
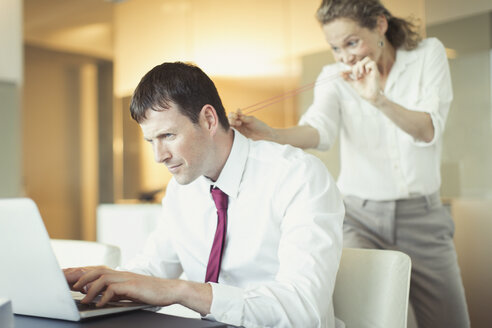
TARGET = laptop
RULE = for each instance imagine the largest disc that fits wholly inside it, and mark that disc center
(30, 275)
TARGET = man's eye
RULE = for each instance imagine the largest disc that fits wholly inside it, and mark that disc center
(167, 136)
(352, 43)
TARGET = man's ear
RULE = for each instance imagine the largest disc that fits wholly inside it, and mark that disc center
(209, 119)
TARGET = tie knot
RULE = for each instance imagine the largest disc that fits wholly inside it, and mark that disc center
(220, 198)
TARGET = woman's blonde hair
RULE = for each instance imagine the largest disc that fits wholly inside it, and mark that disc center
(400, 33)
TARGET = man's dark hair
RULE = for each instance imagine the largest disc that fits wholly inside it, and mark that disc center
(183, 84)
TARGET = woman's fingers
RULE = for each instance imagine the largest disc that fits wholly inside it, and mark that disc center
(370, 66)
(238, 119)
(235, 118)
(362, 68)
(347, 75)
(364, 78)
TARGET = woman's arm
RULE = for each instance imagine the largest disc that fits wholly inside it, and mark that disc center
(302, 136)
(417, 124)
(365, 78)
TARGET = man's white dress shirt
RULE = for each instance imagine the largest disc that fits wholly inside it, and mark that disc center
(283, 243)
(379, 161)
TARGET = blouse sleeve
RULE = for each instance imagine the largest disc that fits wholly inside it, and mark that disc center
(324, 112)
(436, 89)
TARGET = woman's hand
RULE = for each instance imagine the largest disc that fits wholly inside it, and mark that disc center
(251, 127)
(364, 77)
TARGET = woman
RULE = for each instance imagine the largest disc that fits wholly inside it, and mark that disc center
(389, 105)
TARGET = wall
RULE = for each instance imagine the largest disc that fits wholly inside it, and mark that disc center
(441, 11)
(10, 88)
(62, 104)
(467, 154)
(10, 142)
(105, 131)
(79, 27)
(51, 140)
(242, 38)
(11, 39)
(473, 224)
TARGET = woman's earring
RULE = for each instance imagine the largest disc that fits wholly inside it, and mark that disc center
(381, 43)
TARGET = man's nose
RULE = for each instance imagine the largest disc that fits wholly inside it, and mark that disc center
(161, 152)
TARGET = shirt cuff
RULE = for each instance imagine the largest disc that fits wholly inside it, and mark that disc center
(227, 304)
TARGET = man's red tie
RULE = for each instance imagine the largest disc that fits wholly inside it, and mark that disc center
(221, 201)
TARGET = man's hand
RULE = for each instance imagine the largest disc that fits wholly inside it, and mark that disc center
(74, 274)
(120, 285)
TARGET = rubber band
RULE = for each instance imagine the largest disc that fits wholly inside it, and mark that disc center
(273, 100)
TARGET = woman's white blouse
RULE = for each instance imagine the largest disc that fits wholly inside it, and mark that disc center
(379, 161)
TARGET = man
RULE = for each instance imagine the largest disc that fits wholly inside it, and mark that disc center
(256, 226)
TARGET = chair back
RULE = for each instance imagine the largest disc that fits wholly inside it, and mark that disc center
(127, 226)
(372, 288)
(75, 253)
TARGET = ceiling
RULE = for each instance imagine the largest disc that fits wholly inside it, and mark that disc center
(44, 16)
(86, 26)
(58, 23)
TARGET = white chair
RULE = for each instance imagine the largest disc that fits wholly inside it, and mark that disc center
(372, 288)
(75, 253)
(126, 226)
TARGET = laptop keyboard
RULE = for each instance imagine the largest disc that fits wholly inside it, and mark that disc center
(92, 306)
